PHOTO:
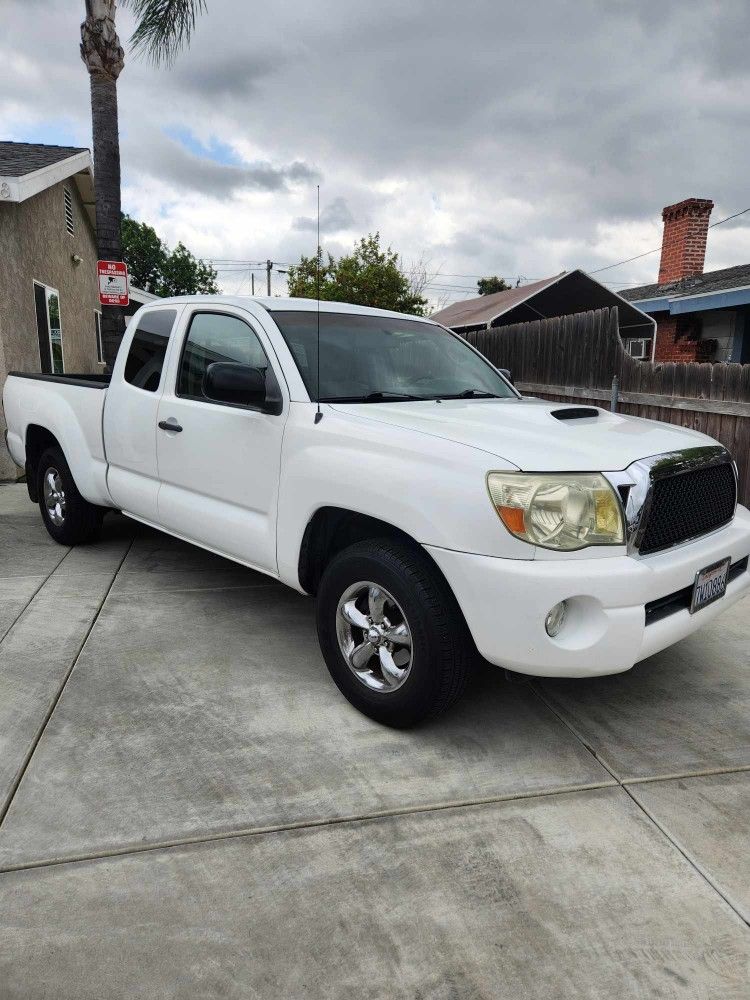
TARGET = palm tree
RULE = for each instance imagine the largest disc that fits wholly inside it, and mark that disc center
(163, 27)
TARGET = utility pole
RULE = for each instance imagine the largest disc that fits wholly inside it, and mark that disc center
(269, 265)
(252, 282)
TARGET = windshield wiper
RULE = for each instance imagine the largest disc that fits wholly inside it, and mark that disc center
(373, 397)
(473, 394)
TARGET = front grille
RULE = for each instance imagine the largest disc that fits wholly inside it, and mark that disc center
(688, 505)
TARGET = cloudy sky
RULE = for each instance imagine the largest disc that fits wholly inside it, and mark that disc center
(485, 137)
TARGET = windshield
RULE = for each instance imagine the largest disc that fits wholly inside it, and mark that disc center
(382, 359)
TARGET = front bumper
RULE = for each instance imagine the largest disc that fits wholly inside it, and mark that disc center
(505, 602)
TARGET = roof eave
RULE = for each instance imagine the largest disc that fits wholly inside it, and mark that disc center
(84, 180)
(21, 188)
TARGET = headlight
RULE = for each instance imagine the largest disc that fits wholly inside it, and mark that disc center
(566, 511)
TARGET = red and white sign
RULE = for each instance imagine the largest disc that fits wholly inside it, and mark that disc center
(113, 282)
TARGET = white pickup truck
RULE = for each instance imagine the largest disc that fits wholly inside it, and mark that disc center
(380, 463)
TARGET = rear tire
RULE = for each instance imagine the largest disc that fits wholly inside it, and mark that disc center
(410, 660)
(67, 516)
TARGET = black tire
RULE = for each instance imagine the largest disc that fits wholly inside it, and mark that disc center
(82, 520)
(442, 649)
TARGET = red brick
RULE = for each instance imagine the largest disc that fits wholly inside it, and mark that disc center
(683, 249)
(678, 339)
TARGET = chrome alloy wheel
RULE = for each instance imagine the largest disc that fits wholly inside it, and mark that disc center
(54, 497)
(374, 636)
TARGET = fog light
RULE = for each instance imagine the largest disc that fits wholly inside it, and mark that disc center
(554, 620)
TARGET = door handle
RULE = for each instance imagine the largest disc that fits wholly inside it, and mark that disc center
(170, 425)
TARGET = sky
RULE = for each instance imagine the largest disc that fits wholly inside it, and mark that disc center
(481, 137)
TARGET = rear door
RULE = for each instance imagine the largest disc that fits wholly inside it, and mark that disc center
(220, 471)
(130, 412)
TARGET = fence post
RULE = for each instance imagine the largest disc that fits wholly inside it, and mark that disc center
(615, 394)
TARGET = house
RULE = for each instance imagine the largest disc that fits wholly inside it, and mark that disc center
(561, 295)
(700, 316)
(49, 300)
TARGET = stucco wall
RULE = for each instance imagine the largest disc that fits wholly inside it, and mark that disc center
(35, 246)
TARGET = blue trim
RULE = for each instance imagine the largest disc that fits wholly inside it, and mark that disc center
(719, 300)
(651, 305)
(694, 303)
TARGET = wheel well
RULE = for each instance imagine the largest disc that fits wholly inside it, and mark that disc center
(38, 440)
(332, 529)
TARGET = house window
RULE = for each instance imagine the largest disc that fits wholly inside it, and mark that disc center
(718, 328)
(638, 348)
(98, 330)
(49, 329)
(68, 200)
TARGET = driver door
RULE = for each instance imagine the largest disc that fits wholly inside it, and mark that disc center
(219, 462)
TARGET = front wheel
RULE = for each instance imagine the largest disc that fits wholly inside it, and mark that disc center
(67, 516)
(392, 635)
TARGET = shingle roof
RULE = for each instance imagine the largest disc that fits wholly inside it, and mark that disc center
(480, 311)
(712, 281)
(20, 158)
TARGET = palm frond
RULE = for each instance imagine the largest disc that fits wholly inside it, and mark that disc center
(163, 27)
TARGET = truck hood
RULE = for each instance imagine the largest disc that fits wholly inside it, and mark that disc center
(525, 433)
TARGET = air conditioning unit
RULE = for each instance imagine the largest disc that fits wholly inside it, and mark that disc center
(638, 348)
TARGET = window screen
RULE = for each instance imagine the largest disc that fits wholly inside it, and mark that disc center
(98, 334)
(49, 329)
(216, 337)
(42, 325)
(149, 348)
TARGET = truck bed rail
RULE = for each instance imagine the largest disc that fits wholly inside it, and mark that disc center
(87, 380)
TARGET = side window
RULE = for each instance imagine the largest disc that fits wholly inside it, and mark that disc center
(149, 348)
(216, 337)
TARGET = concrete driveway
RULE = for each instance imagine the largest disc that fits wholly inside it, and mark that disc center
(190, 809)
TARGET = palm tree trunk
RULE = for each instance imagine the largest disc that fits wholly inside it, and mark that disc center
(102, 53)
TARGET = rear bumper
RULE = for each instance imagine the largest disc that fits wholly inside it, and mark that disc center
(505, 602)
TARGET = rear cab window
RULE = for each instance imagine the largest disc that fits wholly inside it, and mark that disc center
(148, 349)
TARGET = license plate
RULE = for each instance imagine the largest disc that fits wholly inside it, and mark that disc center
(710, 585)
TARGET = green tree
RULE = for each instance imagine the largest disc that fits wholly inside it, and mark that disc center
(369, 276)
(162, 28)
(183, 274)
(487, 286)
(155, 268)
(144, 253)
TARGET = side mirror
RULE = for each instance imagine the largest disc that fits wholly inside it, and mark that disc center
(231, 382)
(507, 373)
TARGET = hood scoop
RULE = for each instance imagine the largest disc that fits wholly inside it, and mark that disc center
(575, 413)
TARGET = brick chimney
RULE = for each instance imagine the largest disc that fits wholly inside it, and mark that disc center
(683, 245)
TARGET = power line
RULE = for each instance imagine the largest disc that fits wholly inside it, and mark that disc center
(728, 218)
(657, 249)
(637, 257)
(230, 265)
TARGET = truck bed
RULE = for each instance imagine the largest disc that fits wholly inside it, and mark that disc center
(64, 409)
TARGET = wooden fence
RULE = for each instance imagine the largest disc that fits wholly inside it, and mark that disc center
(575, 358)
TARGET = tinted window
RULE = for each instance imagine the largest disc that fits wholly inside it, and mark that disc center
(362, 355)
(47, 302)
(149, 348)
(216, 337)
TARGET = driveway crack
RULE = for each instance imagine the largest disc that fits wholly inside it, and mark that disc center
(53, 705)
(623, 784)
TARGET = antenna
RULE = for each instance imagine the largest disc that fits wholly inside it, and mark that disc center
(318, 412)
